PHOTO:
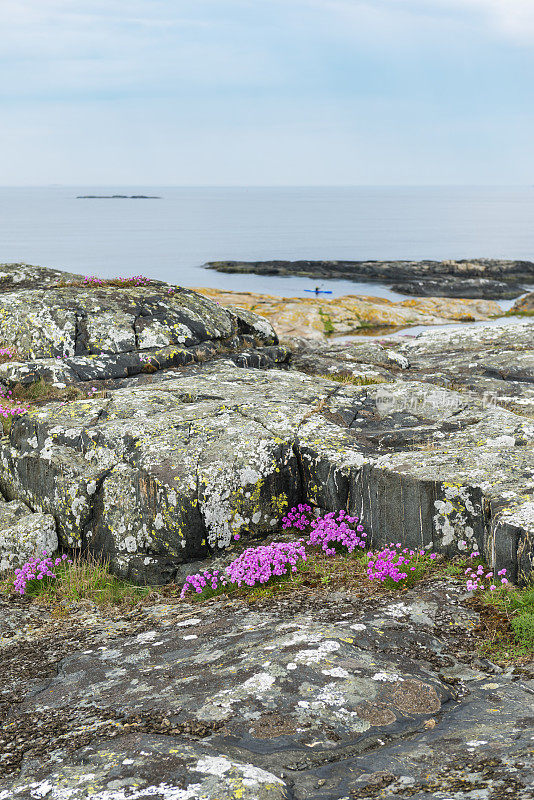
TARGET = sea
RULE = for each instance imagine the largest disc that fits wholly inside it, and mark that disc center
(173, 236)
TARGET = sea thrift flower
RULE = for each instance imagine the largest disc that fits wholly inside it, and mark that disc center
(329, 531)
(37, 568)
(475, 577)
(254, 565)
(135, 280)
(12, 411)
(8, 352)
(393, 563)
(299, 517)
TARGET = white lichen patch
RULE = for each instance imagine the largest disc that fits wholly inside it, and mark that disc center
(25, 537)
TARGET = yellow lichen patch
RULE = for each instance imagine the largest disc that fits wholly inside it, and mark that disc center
(319, 319)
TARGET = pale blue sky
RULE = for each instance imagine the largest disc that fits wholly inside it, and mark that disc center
(266, 92)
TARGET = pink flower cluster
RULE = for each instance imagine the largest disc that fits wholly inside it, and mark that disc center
(254, 565)
(394, 562)
(299, 517)
(331, 530)
(12, 411)
(37, 568)
(135, 280)
(260, 564)
(476, 577)
(10, 352)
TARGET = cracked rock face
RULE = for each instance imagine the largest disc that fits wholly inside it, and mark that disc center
(70, 334)
(167, 472)
(331, 701)
(23, 534)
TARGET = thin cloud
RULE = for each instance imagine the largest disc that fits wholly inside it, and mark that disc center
(508, 18)
(513, 18)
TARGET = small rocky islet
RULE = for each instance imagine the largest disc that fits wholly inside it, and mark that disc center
(464, 278)
(204, 426)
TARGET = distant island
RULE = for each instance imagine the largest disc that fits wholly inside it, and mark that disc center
(117, 197)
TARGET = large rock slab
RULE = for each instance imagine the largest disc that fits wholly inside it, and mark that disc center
(166, 472)
(313, 699)
(71, 333)
(494, 363)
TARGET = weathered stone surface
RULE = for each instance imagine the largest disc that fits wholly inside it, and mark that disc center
(445, 286)
(365, 361)
(24, 534)
(15, 277)
(61, 372)
(135, 767)
(321, 698)
(319, 319)
(525, 305)
(71, 334)
(166, 472)
(73, 321)
(493, 362)
(481, 277)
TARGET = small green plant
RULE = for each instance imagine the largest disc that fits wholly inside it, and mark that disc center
(352, 380)
(518, 313)
(507, 626)
(64, 581)
(523, 628)
(326, 319)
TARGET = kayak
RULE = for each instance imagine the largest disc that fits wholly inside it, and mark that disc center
(318, 291)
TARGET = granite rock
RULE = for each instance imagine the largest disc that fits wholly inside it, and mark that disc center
(24, 534)
(167, 472)
(318, 700)
(71, 333)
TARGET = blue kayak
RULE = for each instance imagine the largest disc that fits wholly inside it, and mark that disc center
(318, 291)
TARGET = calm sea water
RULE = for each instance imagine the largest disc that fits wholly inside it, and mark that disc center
(171, 238)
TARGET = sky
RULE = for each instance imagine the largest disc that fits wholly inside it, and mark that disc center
(266, 92)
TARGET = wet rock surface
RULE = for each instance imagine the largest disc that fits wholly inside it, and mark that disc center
(317, 698)
(464, 278)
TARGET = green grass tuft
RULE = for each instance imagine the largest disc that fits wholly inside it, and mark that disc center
(85, 579)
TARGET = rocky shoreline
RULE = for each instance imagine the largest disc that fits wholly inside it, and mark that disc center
(194, 424)
(473, 278)
(321, 319)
